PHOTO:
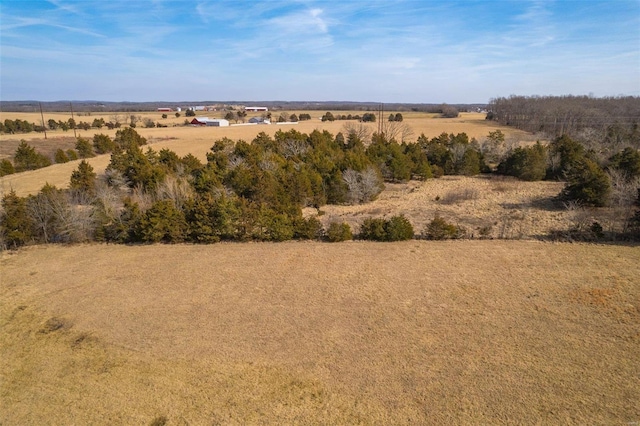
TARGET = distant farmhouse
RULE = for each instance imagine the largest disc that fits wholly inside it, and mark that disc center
(259, 120)
(206, 121)
(165, 109)
(256, 108)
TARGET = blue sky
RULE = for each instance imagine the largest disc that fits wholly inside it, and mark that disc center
(361, 50)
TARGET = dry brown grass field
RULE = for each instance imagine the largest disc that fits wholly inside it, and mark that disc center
(473, 332)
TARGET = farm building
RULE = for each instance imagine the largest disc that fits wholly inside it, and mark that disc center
(256, 108)
(259, 120)
(206, 121)
(164, 110)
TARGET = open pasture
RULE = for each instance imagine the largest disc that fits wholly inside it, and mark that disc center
(473, 332)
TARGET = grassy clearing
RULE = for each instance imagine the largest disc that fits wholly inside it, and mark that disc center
(473, 332)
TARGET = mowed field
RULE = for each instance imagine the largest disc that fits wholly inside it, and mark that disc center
(199, 140)
(465, 332)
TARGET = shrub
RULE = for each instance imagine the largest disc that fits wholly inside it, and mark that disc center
(26, 158)
(307, 229)
(338, 232)
(163, 222)
(84, 148)
(470, 164)
(398, 228)
(72, 154)
(103, 144)
(528, 163)
(83, 178)
(627, 161)
(61, 156)
(373, 229)
(6, 167)
(587, 184)
(15, 222)
(440, 229)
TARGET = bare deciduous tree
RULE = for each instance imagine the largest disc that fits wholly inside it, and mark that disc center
(176, 189)
(363, 186)
(360, 130)
(294, 147)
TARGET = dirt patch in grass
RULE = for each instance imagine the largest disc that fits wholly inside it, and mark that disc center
(473, 332)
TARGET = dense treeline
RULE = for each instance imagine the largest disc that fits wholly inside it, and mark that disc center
(27, 158)
(23, 126)
(606, 125)
(244, 191)
(256, 191)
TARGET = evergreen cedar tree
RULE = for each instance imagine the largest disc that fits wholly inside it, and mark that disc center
(256, 191)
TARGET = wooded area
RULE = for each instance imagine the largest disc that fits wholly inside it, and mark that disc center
(607, 125)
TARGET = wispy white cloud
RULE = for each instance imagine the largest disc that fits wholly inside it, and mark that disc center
(391, 50)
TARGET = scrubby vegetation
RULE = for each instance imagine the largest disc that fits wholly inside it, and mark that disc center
(257, 190)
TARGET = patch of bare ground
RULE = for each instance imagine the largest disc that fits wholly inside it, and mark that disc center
(473, 332)
(486, 206)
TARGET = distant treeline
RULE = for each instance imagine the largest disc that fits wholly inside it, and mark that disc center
(613, 123)
(98, 107)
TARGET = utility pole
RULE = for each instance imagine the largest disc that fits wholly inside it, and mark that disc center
(74, 120)
(42, 117)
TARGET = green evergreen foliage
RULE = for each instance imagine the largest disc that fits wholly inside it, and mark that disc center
(125, 228)
(103, 144)
(6, 167)
(17, 126)
(98, 123)
(169, 160)
(368, 117)
(328, 117)
(273, 226)
(61, 156)
(191, 163)
(421, 168)
(72, 154)
(398, 228)
(213, 218)
(470, 164)
(390, 157)
(438, 154)
(163, 222)
(440, 229)
(373, 229)
(15, 222)
(26, 158)
(127, 137)
(564, 152)
(307, 229)
(83, 178)
(338, 231)
(526, 163)
(84, 148)
(138, 168)
(587, 184)
(627, 161)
